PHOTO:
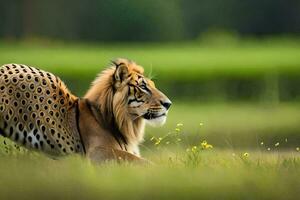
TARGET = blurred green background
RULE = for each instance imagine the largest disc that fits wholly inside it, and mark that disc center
(232, 65)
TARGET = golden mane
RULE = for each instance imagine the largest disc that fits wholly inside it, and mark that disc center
(112, 104)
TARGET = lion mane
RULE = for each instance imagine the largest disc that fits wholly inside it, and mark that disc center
(108, 108)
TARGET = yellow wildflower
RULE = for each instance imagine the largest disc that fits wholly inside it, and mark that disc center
(200, 124)
(203, 143)
(194, 149)
(179, 124)
(177, 129)
(246, 155)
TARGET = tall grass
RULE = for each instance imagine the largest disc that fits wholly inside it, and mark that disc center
(217, 175)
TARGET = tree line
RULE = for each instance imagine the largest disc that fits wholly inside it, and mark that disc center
(145, 20)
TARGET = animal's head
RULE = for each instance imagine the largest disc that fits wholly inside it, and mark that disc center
(123, 92)
(139, 94)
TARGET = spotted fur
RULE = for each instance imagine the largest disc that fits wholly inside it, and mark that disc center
(35, 110)
(38, 111)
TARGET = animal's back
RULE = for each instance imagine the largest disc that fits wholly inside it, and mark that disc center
(37, 110)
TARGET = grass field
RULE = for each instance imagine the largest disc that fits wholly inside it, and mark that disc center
(248, 70)
(182, 61)
(216, 175)
(255, 152)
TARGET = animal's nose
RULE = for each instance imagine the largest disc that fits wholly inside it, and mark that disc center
(166, 104)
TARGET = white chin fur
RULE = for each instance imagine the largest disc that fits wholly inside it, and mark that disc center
(157, 121)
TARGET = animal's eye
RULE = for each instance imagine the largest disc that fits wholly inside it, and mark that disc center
(143, 87)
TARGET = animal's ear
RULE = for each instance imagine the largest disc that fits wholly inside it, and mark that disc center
(121, 72)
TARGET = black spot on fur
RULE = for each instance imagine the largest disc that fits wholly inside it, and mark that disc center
(5, 125)
(11, 131)
(16, 136)
(21, 127)
(25, 134)
(39, 90)
(31, 126)
(33, 115)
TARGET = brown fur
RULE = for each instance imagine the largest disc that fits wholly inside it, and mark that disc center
(108, 123)
(104, 112)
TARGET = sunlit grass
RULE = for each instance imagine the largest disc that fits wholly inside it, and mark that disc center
(186, 60)
(215, 175)
(234, 125)
(205, 151)
(200, 170)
